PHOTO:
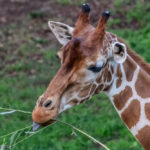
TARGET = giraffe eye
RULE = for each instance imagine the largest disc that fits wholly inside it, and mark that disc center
(95, 69)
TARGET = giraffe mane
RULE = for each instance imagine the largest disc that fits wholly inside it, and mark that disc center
(137, 58)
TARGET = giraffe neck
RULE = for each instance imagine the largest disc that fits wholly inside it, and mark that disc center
(130, 94)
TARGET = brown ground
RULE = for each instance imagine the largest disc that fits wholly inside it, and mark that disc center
(25, 21)
(18, 10)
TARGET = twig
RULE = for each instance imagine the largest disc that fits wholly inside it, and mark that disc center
(15, 131)
(27, 137)
(26, 112)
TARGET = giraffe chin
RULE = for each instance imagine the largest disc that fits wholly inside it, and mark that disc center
(36, 126)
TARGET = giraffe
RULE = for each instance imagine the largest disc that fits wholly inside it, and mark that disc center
(94, 60)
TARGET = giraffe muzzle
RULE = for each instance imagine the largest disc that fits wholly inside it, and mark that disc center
(36, 126)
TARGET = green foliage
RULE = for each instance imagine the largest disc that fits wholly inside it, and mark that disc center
(28, 71)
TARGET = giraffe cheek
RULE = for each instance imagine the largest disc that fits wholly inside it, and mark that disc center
(85, 91)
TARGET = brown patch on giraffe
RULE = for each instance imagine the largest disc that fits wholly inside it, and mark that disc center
(107, 88)
(119, 73)
(73, 102)
(105, 75)
(132, 114)
(119, 81)
(121, 98)
(144, 137)
(142, 85)
(109, 76)
(147, 110)
(93, 89)
(99, 78)
(85, 91)
(99, 88)
(129, 68)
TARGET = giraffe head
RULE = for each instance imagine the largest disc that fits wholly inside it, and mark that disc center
(87, 58)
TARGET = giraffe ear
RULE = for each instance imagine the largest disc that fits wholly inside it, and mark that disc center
(62, 31)
(119, 52)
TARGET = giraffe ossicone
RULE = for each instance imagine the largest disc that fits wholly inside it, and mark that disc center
(92, 61)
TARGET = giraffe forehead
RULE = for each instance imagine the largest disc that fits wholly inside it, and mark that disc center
(80, 47)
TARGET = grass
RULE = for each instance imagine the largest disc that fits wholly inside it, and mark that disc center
(16, 135)
(28, 68)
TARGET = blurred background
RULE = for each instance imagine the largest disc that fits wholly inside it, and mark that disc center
(28, 63)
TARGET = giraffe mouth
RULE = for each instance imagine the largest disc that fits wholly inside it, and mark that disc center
(36, 126)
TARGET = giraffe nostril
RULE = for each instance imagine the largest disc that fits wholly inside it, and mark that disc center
(48, 103)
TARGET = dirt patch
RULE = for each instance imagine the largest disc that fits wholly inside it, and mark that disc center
(18, 10)
(23, 23)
